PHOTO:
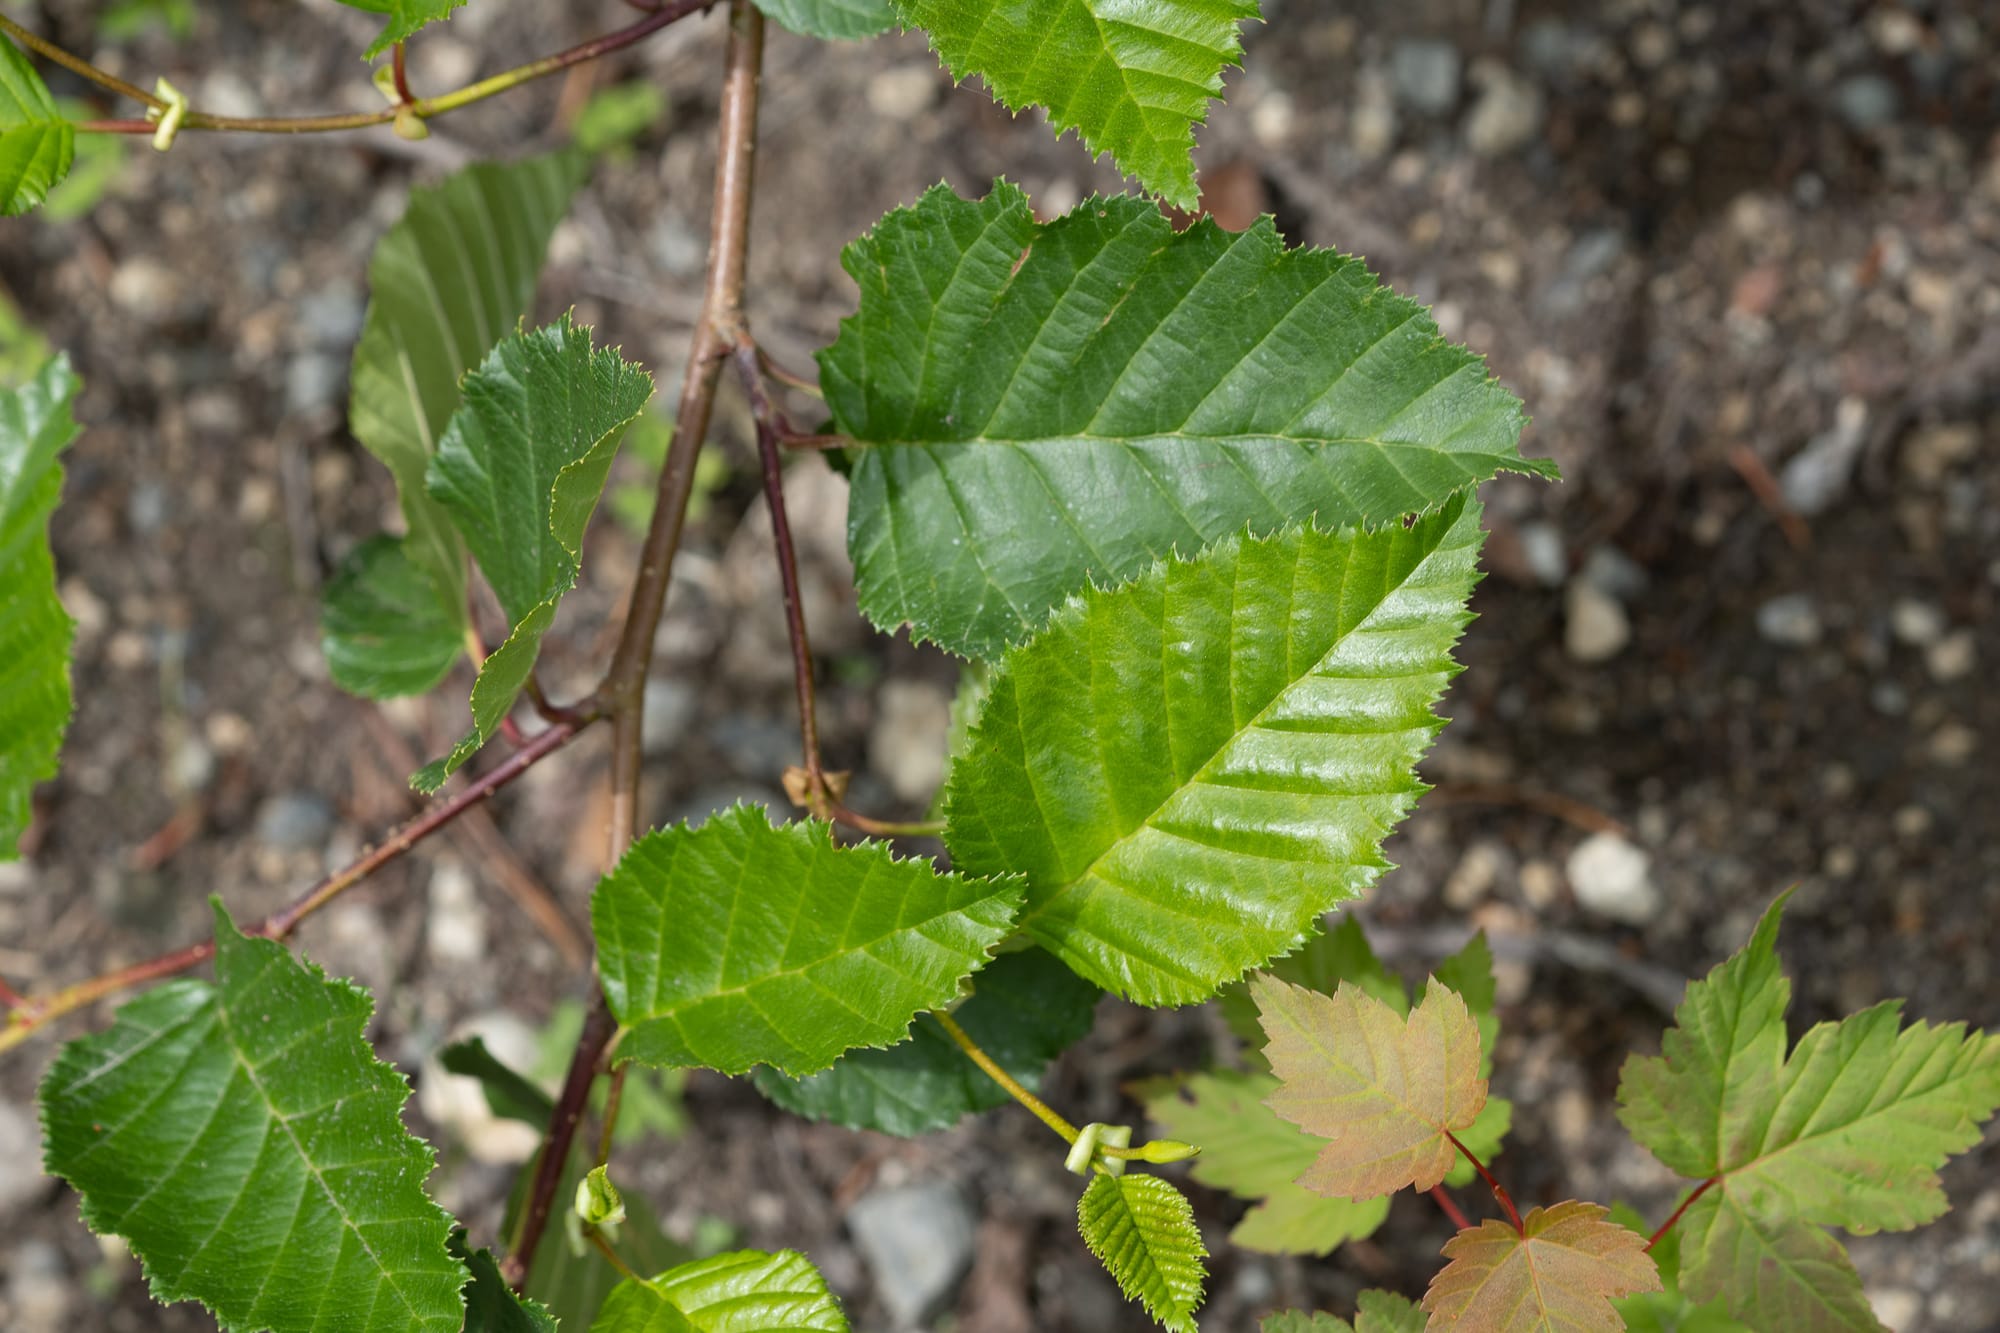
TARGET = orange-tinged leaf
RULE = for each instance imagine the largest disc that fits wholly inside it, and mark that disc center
(1559, 1274)
(1382, 1088)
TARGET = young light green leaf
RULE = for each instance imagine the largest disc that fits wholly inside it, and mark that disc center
(1298, 1321)
(1776, 1274)
(1249, 1151)
(518, 471)
(447, 283)
(1384, 1089)
(382, 628)
(245, 1140)
(744, 1292)
(1132, 81)
(405, 18)
(1025, 1009)
(35, 631)
(738, 944)
(1143, 1231)
(1039, 407)
(1381, 1312)
(831, 20)
(1173, 844)
(490, 1305)
(36, 143)
(1561, 1271)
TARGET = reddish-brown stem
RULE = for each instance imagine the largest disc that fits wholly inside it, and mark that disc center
(766, 416)
(789, 378)
(1499, 1190)
(820, 442)
(884, 828)
(623, 690)
(1452, 1211)
(549, 712)
(402, 74)
(614, 1096)
(1686, 1203)
(30, 1015)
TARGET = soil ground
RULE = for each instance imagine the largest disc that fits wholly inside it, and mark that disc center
(1741, 260)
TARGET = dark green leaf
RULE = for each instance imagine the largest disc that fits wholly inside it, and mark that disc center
(490, 1305)
(1040, 407)
(1025, 1009)
(382, 628)
(508, 1094)
(35, 631)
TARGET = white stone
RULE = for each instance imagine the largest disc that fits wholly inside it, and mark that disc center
(903, 92)
(1595, 627)
(21, 1177)
(1791, 621)
(906, 745)
(1952, 657)
(455, 927)
(1612, 878)
(1916, 623)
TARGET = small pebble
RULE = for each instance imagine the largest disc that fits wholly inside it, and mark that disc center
(1952, 657)
(903, 92)
(1595, 628)
(917, 1242)
(1953, 744)
(1543, 551)
(1613, 879)
(1916, 623)
(1541, 885)
(1426, 74)
(1472, 879)
(1506, 117)
(455, 927)
(1791, 621)
(906, 745)
(295, 821)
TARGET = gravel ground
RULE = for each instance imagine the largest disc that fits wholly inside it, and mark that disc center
(1742, 261)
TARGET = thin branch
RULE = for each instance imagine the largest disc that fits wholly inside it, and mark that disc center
(623, 691)
(823, 443)
(48, 50)
(791, 379)
(885, 828)
(401, 73)
(1041, 1109)
(1499, 1190)
(1452, 1211)
(31, 1015)
(1686, 1203)
(611, 1255)
(614, 1098)
(423, 108)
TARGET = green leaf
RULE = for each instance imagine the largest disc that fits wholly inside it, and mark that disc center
(35, 631)
(1777, 1275)
(382, 628)
(744, 1292)
(405, 18)
(832, 20)
(1026, 1008)
(1192, 768)
(1143, 1231)
(98, 163)
(1249, 1151)
(1386, 1312)
(245, 1140)
(518, 471)
(569, 1275)
(508, 1094)
(1131, 80)
(1321, 964)
(1298, 1321)
(1040, 407)
(447, 283)
(490, 1305)
(738, 944)
(36, 143)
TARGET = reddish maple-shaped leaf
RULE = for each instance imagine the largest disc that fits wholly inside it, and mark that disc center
(1385, 1090)
(1558, 1274)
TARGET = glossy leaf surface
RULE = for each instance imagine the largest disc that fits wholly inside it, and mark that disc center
(738, 944)
(1043, 406)
(1144, 1232)
(1192, 768)
(37, 144)
(1561, 1272)
(1025, 1009)
(1132, 80)
(748, 1291)
(246, 1141)
(35, 631)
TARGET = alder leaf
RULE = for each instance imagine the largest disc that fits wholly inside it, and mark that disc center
(744, 1292)
(37, 144)
(35, 631)
(1384, 1089)
(1561, 1271)
(1249, 1151)
(738, 944)
(446, 284)
(246, 1141)
(1143, 1231)
(405, 18)
(518, 472)
(1192, 768)
(1025, 1009)
(1131, 80)
(490, 1305)
(831, 20)
(1038, 407)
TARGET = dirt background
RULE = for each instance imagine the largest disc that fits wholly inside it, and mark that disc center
(1741, 260)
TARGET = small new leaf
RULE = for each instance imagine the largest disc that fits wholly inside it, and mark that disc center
(405, 18)
(738, 944)
(1131, 80)
(37, 144)
(246, 1141)
(1385, 1090)
(35, 631)
(1561, 1271)
(1143, 1230)
(1040, 407)
(1288, 684)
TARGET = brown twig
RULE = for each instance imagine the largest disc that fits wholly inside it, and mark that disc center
(1770, 495)
(32, 1014)
(1499, 1191)
(622, 693)
(48, 50)
(1686, 1203)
